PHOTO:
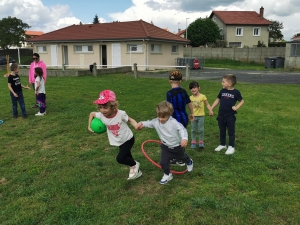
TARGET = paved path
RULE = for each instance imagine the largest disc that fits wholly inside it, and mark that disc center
(247, 76)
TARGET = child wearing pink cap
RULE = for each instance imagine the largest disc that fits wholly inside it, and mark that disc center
(118, 132)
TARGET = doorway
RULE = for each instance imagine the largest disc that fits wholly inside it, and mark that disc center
(103, 56)
(65, 55)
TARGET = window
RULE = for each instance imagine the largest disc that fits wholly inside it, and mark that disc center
(174, 48)
(134, 48)
(235, 44)
(214, 19)
(155, 48)
(239, 31)
(83, 48)
(295, 49)
(256, 31)
(41, 49)
(221, 34)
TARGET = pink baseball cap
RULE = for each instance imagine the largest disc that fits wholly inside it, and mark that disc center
(105, 97)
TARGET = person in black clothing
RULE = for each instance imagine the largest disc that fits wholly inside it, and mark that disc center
(15, 88)
(227, 98)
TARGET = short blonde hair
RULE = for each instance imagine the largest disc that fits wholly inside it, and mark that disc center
(164, 109)
(230, 78)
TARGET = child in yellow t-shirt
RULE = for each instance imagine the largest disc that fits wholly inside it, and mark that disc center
(198, 99)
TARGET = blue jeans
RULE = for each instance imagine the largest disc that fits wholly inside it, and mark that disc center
(197, 127)
(15, 100)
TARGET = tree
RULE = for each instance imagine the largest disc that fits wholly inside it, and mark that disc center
(96, 20)
(275, 30)
(203, 31)
(296, 35)
(12, 32)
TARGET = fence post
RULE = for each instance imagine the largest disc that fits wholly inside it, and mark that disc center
(63, 67)
(187, 72)
(95, 69)
(135, 70)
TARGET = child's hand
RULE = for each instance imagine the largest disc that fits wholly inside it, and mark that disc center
(36, 92)
(139, 126)
(192, 117)
(27, 87)
(211, 113)
(234, 108)
(15, 94)
(90, 129)
(183, 143)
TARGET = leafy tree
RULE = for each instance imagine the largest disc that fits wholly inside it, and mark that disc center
(96, 20)
(203, 31)
(296, 35)
(12, 32)
(275, 30)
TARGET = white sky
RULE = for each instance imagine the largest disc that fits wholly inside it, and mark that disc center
(49, 15)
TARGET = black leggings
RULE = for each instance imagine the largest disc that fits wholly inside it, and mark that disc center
(124, 156)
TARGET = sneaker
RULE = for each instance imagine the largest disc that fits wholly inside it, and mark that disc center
(137, 175)
(190, 166)
(134, 171)
(229, 151)
(201, 144)
(166, 178)
(177, 162)
(220, 147)
(193, 144)
(40, 114)
(25, 116)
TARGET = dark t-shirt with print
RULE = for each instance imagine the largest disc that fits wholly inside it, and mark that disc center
(228, 98)
(15, 82)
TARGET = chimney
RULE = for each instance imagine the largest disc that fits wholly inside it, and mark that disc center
(261, 12)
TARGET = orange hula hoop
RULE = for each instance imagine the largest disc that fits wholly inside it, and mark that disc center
(154, 163)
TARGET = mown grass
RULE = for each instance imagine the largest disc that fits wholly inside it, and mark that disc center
(53, 171)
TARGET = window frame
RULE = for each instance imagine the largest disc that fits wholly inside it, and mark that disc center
(138, 48)
(44, 48)
(258, 31)
(239, 34)
(155, 47)
(177, 49)
(235, 44)
(295, 50)
(84, 49)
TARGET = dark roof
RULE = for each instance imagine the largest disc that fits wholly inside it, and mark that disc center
(115, 31)
(240, 18)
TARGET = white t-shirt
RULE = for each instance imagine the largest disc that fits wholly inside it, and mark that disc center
(42, 85)
(118, 131)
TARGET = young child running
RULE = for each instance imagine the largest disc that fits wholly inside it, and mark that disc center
(179, 98)
(15, 88)
(40, 90)
(118, 132)
(173, 136)
(227, 98)
(198, 99)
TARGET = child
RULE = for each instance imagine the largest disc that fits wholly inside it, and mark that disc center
(198, 99)
(179, 98)
(40, 90)
(173, 136)
(15, 88)
(118, 131)
(31, 75)
(227, 98)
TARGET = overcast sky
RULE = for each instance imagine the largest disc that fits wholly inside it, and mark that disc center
(49, 15)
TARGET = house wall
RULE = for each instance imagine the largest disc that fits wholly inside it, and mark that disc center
(291, 62)
(83, 60)
(243, 54)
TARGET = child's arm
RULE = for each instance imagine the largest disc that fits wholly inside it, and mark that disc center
(132, 122)
(236, 107)
(209, 108)
(11, 90)
(91, 117)
(190, 105)
(38, 84)
(139, 126)
(27, 87)
(216, 102)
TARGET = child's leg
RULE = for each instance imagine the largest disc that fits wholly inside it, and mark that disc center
(14, 105)
(165, 157)
(41, 102)
(231, 129)
(194, 125)
(222, 127)
(22, 103)
(124, 156)
(201, 128)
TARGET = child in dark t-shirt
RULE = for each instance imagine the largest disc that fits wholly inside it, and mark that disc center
(227, 98)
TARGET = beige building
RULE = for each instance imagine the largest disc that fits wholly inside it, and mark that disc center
(242, 28)
(110, 45)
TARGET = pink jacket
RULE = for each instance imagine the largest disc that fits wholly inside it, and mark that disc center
(31, 71)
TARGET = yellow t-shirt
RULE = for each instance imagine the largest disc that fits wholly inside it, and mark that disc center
(198, 104)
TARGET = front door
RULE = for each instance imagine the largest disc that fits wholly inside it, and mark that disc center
(116, 55)
(54, 57)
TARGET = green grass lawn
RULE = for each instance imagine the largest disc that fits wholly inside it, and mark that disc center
(53, 171)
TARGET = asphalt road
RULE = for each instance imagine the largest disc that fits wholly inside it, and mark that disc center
(246, 76)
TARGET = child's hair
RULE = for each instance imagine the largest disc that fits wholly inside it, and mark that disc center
(164, 109)
(175, 75)
(38, 72)
(194, 84)
(113, 104)
(230, 78)
(14, 66)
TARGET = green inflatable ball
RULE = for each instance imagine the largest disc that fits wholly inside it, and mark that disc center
(98, 126)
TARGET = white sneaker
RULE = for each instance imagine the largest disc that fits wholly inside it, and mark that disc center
(133, 172)
(229, 151)
(190, 166)
(166, 178)
(137, 175)
(39, 114)
(220, 147)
